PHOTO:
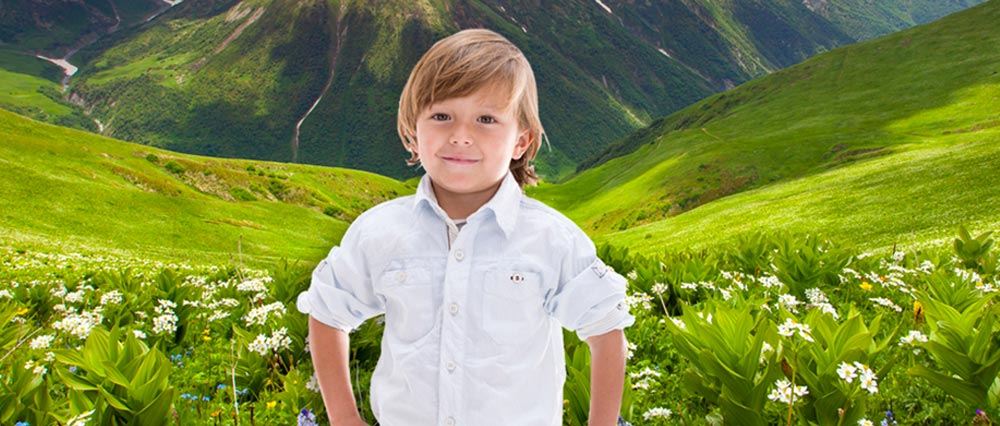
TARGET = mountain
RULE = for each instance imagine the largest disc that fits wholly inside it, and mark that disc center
(65, 190)
(881, 142)
(317, 81)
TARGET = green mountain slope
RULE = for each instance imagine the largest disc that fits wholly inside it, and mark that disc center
(317, 81)
(852, 123)
(69, 190)
(865, 19)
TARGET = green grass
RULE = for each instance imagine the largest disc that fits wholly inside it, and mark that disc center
(916, 197)
(71, 191)
(868, 105)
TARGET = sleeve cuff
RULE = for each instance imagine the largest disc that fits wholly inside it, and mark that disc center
(617, 319)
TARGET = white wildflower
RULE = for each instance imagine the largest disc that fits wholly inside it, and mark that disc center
(42, 342)
(847, 372)
(640, 299)
(657, 412)
(259, 315)
(139, 334)
(80, 324)
(660, 288)
(313, 384)
(911, 337)
(265, 345)
(112, 297)
(789, 302)
(632, 275)
(166, 323)
(785, 393)
(865, 422)
(887, 303)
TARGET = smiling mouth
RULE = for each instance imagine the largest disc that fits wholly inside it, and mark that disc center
(459, 160)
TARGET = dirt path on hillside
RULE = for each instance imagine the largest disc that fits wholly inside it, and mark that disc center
(340, 33)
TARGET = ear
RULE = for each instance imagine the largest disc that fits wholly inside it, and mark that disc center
(523, 142)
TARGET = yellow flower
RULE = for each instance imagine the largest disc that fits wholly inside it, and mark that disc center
(865, 285)
(22, 311)
(205, 332)
(272, 404)
(216, 413)
(206, 338)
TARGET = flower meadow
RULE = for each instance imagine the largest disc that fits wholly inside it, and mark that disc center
(775, 329)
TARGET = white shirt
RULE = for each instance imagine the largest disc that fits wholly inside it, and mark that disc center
(473, 326)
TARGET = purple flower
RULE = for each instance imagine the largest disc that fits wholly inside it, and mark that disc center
(307, 418)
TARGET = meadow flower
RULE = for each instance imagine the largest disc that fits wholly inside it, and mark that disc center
(887, 303)
(265, 345)
(632, 275)
(789, 302)
(647, 372)
(5, 294)
(259, 315)
(660, 288)
(847, 372)
(313, 383)
(769, 281)
(865, 285)
(640, 299)
(786, 393)
(80, 324)
(41, 342)
(689, 286)
(657, 412)
(307, 418)
(765, 349)
(642, 384)
(865, 422)
(790, 327)
(271, 404)
(911, 337)
(112, 297)
(166, 323)
(139, 334)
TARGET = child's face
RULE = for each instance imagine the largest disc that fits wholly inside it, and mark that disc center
(466, 144)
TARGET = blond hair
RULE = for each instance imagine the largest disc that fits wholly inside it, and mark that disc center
(458, 66)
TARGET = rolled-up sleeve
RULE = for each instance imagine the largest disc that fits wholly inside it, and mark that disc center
(341, 293)
(590, 298)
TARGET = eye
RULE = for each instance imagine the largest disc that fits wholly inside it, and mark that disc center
(487, 119)
(440, 117)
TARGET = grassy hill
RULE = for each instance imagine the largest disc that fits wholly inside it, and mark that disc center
(235, 78)
(72, 191)
(893, 140)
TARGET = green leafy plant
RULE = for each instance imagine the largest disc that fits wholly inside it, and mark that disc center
(118, 377)
(974, 253)
(833, 400)
(965, 344)
(724, 346)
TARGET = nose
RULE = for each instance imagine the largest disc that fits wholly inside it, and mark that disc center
(460, 136)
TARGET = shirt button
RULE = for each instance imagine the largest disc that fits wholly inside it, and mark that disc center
(459, 255)
(450, 421)
(401, 276)
(453, 308)
(451, 366)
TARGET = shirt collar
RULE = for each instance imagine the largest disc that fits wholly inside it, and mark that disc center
(504, 204)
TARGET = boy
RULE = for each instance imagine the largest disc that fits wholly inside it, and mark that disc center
(475, 280)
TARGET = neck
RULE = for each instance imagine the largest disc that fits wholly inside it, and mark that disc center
(462, 205)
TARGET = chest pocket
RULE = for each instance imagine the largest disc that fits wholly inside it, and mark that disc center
(410, 302)
(512, 305)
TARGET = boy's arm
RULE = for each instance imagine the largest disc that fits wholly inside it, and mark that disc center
(607, 377)
(329, 348)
